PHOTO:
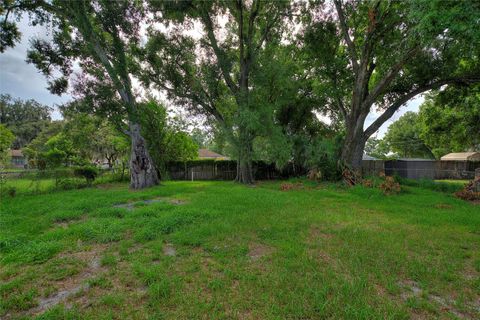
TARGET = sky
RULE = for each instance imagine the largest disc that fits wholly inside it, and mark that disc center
(23, 80)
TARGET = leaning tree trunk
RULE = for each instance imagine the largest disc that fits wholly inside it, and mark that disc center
(142, 171)
(244, 160)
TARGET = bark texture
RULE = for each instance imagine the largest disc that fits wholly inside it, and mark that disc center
(244, 161)
(142, 171)
(352, 152)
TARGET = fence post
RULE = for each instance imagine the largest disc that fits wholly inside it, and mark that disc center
(477, 173)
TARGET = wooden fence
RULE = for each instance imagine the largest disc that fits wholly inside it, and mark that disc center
(372, 167)
(422, 169)
(226, 170)
(412, 169)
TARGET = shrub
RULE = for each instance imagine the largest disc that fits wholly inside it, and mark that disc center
(87, 172)
(390, 186)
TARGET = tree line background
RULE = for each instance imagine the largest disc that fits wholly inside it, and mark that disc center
(259, 73)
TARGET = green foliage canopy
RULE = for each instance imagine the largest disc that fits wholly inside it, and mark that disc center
(380, 54)
(404, 137)
(166, 141)
(25, 118)
(6, 139)
(450, 120)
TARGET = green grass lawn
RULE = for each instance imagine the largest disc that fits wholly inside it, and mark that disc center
(218, 250)
(23, 185)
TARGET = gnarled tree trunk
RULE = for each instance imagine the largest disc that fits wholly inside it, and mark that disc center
(142, 171)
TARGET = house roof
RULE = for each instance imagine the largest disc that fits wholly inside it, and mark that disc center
(205, 153)
(16, 153)
(461, 156)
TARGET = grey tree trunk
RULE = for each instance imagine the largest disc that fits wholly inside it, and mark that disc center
(355, 139)
(142, 171)
(244, 171)
(244, 160)
(352, 152)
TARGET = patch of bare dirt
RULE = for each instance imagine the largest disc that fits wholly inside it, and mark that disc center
(65, 224)
(470, 273)
(316, 233)
(257, 251)
(315, 236)
(443, 206)
(169, 250)
(380, 290)
(177, 202)
(134, 204)
(61, 225)
(72, 286)
(412, 289)
(134, 248)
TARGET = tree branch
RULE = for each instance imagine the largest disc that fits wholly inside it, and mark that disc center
(251, 21)
(388, 113)
(346, 36)
(366, 66)
(207, 21)
(266, 31)
(388, 78)
(343, 111)
(194, 98)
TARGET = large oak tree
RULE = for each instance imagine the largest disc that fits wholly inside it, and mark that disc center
(99, 36)
(213, 73)
(380, 54)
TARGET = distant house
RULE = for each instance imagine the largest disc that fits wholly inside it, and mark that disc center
(461, 156)
(18, 160)
(207, 154)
